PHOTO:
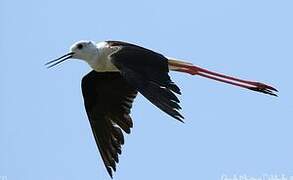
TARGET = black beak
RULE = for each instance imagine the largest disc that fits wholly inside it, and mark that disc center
(59, 60)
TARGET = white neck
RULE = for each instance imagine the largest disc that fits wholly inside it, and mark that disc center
(99, 61)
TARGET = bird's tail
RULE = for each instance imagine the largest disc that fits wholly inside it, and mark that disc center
(186, 67)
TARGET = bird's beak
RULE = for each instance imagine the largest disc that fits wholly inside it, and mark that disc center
(59, 60)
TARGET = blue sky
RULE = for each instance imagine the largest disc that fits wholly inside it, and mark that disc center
(44, 131)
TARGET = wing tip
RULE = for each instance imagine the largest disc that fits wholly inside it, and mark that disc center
(179, 117)
(109, 170)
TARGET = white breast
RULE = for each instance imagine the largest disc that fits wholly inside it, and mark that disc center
(101, 63)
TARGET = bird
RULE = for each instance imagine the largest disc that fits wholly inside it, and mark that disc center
(121, 70)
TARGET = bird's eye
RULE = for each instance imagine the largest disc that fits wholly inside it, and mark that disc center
(79, 46)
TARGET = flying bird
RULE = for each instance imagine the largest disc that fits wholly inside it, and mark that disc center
(120, 71)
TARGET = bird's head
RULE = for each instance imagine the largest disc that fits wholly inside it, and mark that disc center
(84, 50)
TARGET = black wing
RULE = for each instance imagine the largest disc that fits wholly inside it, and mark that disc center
(108, 99)
(147, 71)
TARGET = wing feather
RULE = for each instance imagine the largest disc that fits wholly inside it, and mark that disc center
(108, 99)
(147, 71)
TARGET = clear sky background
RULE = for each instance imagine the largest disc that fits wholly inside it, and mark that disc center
(44, 131)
